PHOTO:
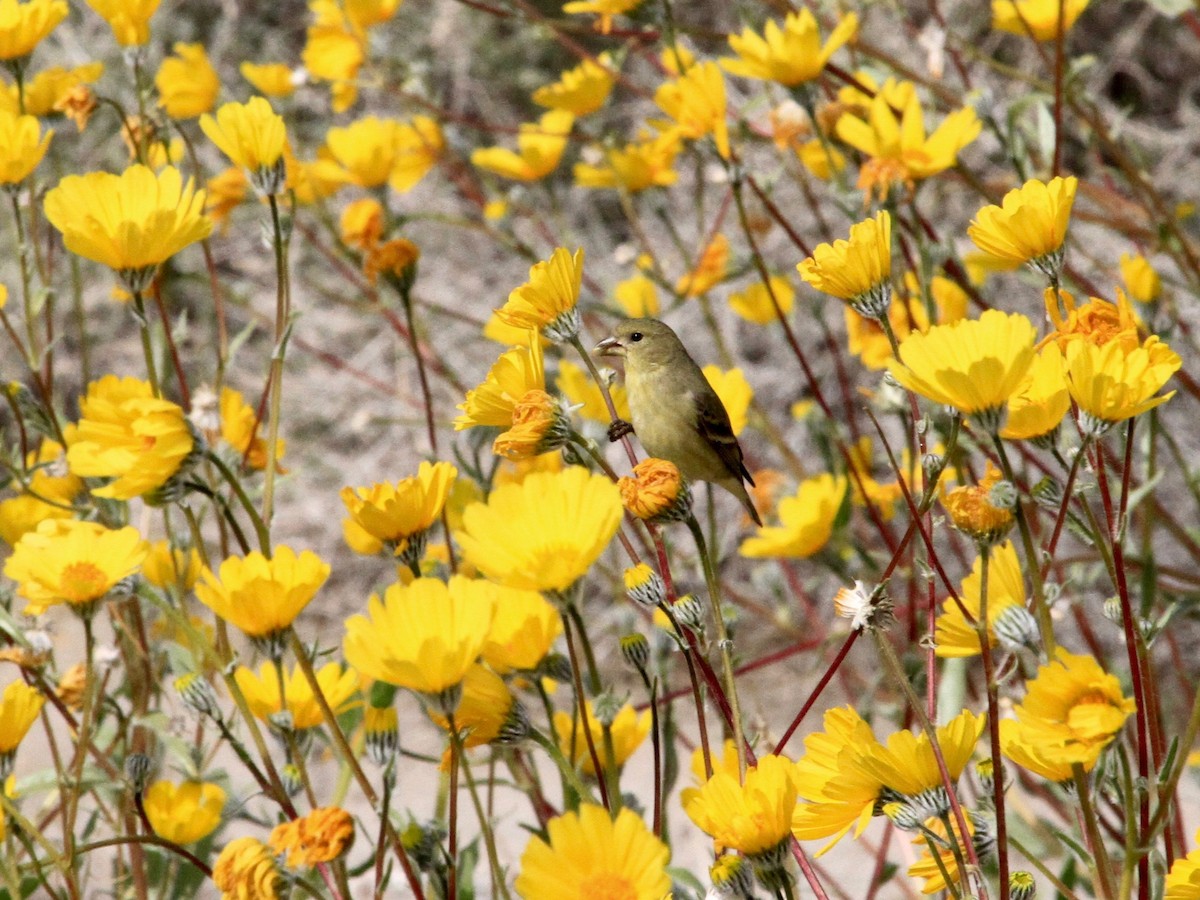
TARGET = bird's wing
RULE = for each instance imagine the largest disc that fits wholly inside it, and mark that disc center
(712, 421)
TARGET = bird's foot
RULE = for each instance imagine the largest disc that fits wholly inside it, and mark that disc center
(618, 430)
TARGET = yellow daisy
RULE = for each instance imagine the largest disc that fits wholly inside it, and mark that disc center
(806, 521)
(423, 636)
(184, 813)
(973, 365)
(540, 146)
(73, 562)
(587, 855)
(544, 533)
(790, 55)
(130, 222)
(263, 595)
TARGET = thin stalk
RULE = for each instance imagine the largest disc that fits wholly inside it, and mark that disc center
(139, 313)
(724, 644)
(993, 711)
(1095, 840)
(282, 311)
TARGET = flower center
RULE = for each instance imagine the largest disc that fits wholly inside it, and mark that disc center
(82, 581)
(607, 886)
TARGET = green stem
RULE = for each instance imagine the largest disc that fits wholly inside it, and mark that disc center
(1100, 863)
(139, 311)
(282, 311)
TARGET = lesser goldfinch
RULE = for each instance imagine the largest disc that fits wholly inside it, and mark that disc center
(676, 413)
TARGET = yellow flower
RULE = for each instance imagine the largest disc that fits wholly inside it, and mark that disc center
(833, 778)
(806, 521)
(540, 146)
(253, 137)
(898, 146)
(605, 9)
(628, 729)
(396, 259)
(1038, 406)
(319, 837)
(539, 425)
(973, 365)
(366, 14)
(271, 79)
(262, 596)
(574, 383)
(544, 533)
(245, 870)
(1008, 619)
(130, 222)
(166, 566)
(1039, 18)
(1029, 226)
(47, 91)
(821, 159)
(655, 491)
(696, 103)
(22, 146)
(334, 52)
(857, 270)
(831, 775)
(547, 302)
(485, 710)
(1111, 383)
(129, 19)
(581, 90)
(710, 269)
(423, 636)
(1098, 321)
(184, 813)
(68, 561)
(187, 83)
(419, 144)
(396, 516)
(240, 426)
(751, 817)
(226, 191)
(127, 433)
(515, 374)
(642, 164)
(789, 55)
(984, 511)
(1072, 710)
(20, 705)
(524, 628)
(754, 304)
(1141, 281)
(637, 297)
(1183, 881)
(361, 224)
(262, 692)
(25, 25)
(366, 149)
(589, 856)
(907, 765)
(735, 393)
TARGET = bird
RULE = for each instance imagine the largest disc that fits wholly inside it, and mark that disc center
(676, 414)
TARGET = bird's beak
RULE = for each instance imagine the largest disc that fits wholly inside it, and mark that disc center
(610, 346)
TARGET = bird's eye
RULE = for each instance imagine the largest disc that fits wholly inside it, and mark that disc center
(636, 336)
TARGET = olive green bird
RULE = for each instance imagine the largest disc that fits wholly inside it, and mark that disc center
(676, 413)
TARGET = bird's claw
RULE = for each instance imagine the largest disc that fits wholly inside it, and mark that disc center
(618, 430)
